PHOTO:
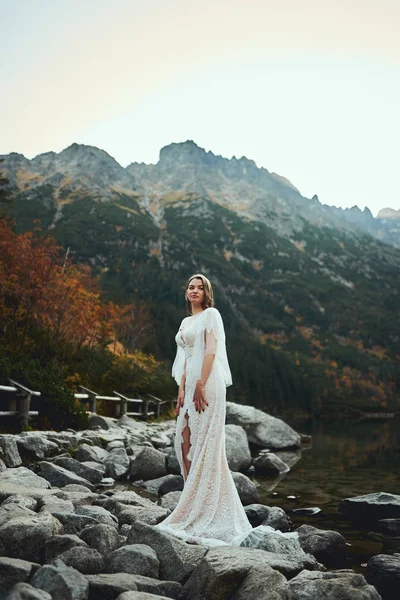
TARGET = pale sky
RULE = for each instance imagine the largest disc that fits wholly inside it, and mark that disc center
(309, 89)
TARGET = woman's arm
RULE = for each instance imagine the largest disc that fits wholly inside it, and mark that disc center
(199, 399)
(181, 391)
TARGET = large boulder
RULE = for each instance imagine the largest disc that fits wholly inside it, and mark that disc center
(328, 547)
(91, 453)
(170, 500)
(24, 591)
(237, 448)
(138, 559)
(12, 510)
(383, 572)
(108, 586)
(92, 474)
(25, 478)
(9, 451)
(12, 571)
(247, 490)
(58, 476)
(117, 463)
(177, 559)
(36, 447)
(101, 537)
(371, 507)
(83, 559)
(25, 537)
(98, 513)
(61, 582)
(274, 516)
(149, 463)
(99, 422)
(58, 544)
(235, 573)
(163, 485)
(268, 463)
(338, 585)
(150, 515)
(263, 430)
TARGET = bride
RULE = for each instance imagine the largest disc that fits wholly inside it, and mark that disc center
(209, 510)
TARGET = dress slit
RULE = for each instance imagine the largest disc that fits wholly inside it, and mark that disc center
(186, 446)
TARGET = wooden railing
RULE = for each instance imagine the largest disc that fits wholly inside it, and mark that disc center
(144, 407)
(19, 401)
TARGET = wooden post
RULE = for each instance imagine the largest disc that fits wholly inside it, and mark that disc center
(25, 405)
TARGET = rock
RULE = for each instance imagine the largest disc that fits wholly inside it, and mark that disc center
(150, 515)
(170, 500)
(61, 582)
(172, 462)
(58, 544)
(72, 523)
(167, 483)
(223, 571)
(109, 586)
(328, 547)
(25, 537)
(269, 464)
(21, 500)
(77, 498)
(2, 466)
(9, 451)
(139, 596)
(246, 489)
(115, 444)
(36, 447)
(309, 511)
(24, 591)
(148, 464)
(390, 526)
(117, 463)
(58, 476)
(138, 559)
(10, 511)
(237, 448)
(52, 504)
(91, 453)
(278, 519)
(97, 421)
(131, 498)
(371, 507)
(338, 585)
(177, 559)
(257, 513)
(94, 475)
(24, 478)
(285, 552)
(98, 513)
(383, 572)
(262, 430)
(75, 487)
(103, 538)
(83, 559)
(12, 571)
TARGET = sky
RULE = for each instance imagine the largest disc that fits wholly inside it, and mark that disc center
(308, 89)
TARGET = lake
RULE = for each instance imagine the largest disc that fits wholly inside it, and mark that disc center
(344, 459)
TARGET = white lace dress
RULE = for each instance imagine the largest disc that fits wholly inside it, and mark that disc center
(209, 511)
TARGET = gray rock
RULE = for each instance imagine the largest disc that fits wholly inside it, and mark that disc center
(103, 538)
(2, 466)
(91, 453)
(383, 572)
(72, 523)
(150, 515)
(284, 548)
(24, 591)
(268, 463)
(224, 570)
(131, 498)
(139, 596)
(109, 586)
(262, 430)
(58, 476)
(138, 559)
(172, 462)
(97, 421)
(36, 447)
(390, 526)
(79, 468)
(115, 444)
(170, 501)
(9, 451)
(24, 478)
(148, 464)
(257, 513)
(371, 507)
(328, 547)
(117, 464)
(24, 537)
(77, 498)
(237, 448)
(10, 511)
(12, 571)
(98, 513)
(75, 487)
(61, 582)
(278, 519)
(83, 559)
(167, 483)
(58, 544)
(177, 559)
(21, 500)
(246, 489)
(52, 504)
(338, 585)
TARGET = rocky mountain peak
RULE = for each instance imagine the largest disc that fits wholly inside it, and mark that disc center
(388, 213)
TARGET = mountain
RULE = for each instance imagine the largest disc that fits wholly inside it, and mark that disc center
(309, 299)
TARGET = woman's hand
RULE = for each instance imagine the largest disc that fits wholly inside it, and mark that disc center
(199, 399)
(180, 401)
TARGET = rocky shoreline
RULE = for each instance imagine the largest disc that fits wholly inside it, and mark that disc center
(68, 532)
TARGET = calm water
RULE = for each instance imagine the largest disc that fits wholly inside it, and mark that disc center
(344, 459)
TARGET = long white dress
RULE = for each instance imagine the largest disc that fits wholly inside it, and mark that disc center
(209, 511)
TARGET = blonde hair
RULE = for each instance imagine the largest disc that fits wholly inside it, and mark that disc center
(208, 300)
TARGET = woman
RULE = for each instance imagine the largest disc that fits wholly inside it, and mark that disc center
(209, 511)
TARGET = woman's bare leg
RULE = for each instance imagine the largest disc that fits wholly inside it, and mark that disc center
(186, 447)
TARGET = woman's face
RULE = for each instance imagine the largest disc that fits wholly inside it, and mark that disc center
(195, 292)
